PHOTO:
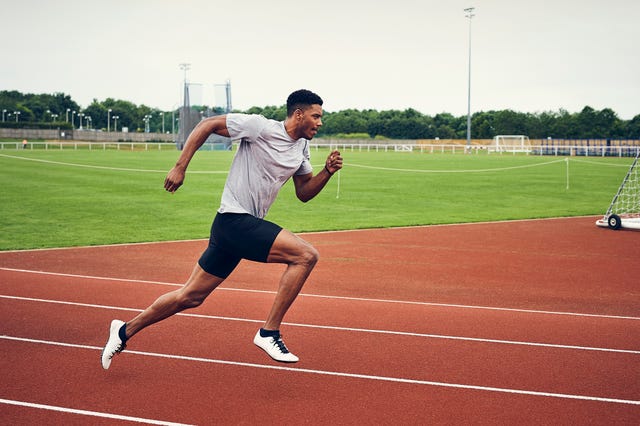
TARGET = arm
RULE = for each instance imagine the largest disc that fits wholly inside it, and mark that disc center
(200, 133)
(308, 186)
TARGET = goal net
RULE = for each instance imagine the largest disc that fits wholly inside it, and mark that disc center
(510, 143)
(624, 211)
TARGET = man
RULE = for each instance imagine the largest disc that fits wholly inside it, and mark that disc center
(270, 152)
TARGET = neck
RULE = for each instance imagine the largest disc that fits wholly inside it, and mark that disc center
(291, 129)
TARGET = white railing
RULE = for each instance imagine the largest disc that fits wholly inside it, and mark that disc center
(422, 148)
(553, 150)
(61, 145)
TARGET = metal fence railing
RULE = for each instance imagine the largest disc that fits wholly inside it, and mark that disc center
(617, 150)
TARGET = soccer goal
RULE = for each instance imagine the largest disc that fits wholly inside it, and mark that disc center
(510, 143)
(624, 211)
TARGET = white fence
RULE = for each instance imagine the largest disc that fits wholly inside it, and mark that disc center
(422, 148)
(103, 146)
(554, 150)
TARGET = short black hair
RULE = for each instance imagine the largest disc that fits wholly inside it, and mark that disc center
(301, 99)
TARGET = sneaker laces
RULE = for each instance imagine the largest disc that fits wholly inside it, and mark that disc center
(122, 334)
(119, 348)
(277, 341)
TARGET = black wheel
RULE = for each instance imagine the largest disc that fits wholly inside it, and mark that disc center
(614, 221)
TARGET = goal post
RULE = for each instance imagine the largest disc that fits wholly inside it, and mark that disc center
(510, 143)
(624, 210)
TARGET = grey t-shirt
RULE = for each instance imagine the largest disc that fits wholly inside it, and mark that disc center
(267, 157)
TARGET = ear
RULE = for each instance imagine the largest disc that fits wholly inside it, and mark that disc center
(299, 114)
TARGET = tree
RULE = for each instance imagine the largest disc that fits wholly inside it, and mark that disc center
(606, 125)
(344, 122)
(98, 114)
(631, 129)
(41, 109)
(273, 112)
(445, 125)
(125, 111)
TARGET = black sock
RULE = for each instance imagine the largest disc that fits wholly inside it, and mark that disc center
(269, 333)
(122, 333)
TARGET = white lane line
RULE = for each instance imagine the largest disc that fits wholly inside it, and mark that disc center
(118, 169)
(337, 328)
(342, 374)
(320, 296)
(88, 413)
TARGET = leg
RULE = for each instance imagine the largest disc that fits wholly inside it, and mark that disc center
(300, 257)
(199, 285)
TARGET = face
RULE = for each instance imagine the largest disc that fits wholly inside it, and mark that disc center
(308, 121)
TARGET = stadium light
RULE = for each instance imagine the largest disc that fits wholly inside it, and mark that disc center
(4, 111)
(146, 123)
(185, 67)
(109, 120)
(469, 14)
(227, 93)
(173, 120)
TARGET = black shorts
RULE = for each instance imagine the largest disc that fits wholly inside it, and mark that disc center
(235, 237)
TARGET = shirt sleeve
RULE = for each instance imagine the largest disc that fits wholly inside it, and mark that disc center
(245, 126)
(305, 167)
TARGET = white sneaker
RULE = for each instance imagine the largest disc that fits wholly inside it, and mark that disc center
(114, 344)
(274, 347)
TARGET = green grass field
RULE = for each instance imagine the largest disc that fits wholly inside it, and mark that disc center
(66, 197)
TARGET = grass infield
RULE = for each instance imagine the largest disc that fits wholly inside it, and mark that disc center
(80, 197)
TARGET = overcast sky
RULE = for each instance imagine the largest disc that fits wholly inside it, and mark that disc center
(529, 56)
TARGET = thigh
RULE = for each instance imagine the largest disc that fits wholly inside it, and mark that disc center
(288, 246)
(200, 284)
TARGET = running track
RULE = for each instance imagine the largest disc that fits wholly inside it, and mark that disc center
(528, 322)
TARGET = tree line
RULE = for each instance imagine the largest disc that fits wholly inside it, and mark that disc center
(58, 110)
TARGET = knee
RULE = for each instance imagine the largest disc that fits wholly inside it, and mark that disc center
(309, 256)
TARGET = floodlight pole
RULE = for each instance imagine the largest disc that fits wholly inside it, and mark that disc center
(185, 98)
(227, 92)
(185, 67)
(185, 116)
(469, 14)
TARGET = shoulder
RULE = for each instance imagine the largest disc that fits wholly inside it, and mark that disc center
(237, 119)
(248, 125)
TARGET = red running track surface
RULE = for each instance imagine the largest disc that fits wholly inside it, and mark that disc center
(528, 322)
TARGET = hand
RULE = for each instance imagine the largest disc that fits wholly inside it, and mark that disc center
(334, 162)
(174, 179)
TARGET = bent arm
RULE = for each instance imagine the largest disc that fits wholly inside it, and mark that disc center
(308, 186)
(208, 126)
